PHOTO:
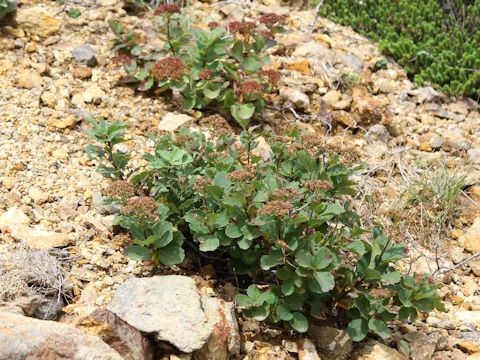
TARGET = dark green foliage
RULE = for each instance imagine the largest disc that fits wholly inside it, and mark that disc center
(7, 7)
(282, 218)
(436, 41)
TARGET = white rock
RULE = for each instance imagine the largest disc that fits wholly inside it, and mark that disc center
(93, 94)
(13, 216)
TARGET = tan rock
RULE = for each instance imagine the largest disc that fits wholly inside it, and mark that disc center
(344, 118)
(27, 338)
(224, 343)
(369, 109)
(471, 239)
(62, 123)
(81, 72)
(37, 238)
(5, 65)
(13, 216)
(332, 97)
(60, 154)
(29, 80)
(38, 21)
(307, 350)
(302, 66)
(374, 350)
(172, 121)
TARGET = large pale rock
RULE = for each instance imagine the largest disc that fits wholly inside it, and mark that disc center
(27, 338)
(172, 121)
(13, 216)
(38, 21)
(167, 307)
(374, 350)
(37, 238)
(128, 341)
(224, 342)
(471, 239)
(29, 79)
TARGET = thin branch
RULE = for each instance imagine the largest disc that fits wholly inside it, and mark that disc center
(460, 264)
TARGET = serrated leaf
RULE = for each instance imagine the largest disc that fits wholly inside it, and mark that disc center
(357, 329)
(392, 277)
(325, 280)
(233, 231)
(138, 253)
(274, 258)
(299, 322)
(209, 244)
(379, 328)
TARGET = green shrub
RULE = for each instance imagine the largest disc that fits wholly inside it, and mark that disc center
(218, 68)
(7, 7)
(280, 218)
(434, 42)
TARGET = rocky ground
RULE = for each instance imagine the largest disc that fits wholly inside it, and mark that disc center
(57, 235)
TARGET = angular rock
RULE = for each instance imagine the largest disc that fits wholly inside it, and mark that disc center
(307, 350)
(369, 110)
(224, 343)
(167, 307)
(374, 350)
(38, 21)
(93, 94)
(296, 97)
(13, 216)
(81, 72)
(130, 343)
(377, 132)
(84, 55)
(331, 341)
(471, 239)
(474, 156)
(172, 121)
(29, 80)
(37, 238)
(27, 338)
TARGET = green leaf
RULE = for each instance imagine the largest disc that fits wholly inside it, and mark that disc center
(138, 253)
(211, 94)
(283, 313)
(288, 287)
(299, 322)
(322, 258)
(115, 26)
(233, 231)
(74, 13)
(379, 328)
(325, 280)
(357, 329)
(146, 85)
(252, 64)
(209, 244)
(274, 258)
(304, 259)
(172, 254)
(242, 113)
(136, 50)
(392, 277)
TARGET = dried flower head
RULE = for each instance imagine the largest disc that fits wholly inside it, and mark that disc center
(182, 139)
(168, 68)
(141, 206)
(318, 185)
(272, 19)
(243, 28)
(382, 293)
(249, 88)
(277, 208)
(120, 189)
(311, 140)
(167, 9)
(285, 194)
(213, 24)
(241, 175)
(218, 124)
(205, 74)
(272, 76)
(122, 59)
(201, 182)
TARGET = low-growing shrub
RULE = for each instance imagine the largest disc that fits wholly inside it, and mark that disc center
(219, 68)
(279, 216)
(7, 7)
(435, 40)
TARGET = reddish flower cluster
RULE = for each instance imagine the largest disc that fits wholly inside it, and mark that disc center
(213, 24)
(170, 68)
(141, 206)
(272, 76)
(205, 74)
(122, 59)
(272, 19)
(167, 9)
(276, 208)
(249, 88)
(241, 27)
(241, 175)
(318, 185)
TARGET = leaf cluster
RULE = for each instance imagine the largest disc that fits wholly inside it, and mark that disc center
(221, 66)
(280, 216)
(7, 7)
